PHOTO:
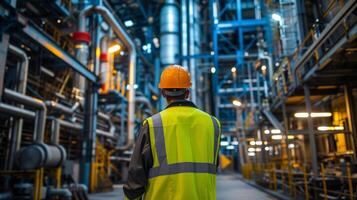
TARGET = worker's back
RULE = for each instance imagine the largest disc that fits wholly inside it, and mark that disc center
(184, 143)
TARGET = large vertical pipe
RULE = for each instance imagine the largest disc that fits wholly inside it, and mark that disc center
(120, 31)
(191, 6)
(184, 30)
(21, 88)
(169, 30)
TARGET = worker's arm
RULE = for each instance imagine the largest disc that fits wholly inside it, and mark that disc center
(141, 162)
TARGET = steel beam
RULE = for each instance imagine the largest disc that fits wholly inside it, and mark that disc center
(241, 23)
(312, 139)
(351, 117)
(326, 33)
(4, 43)
(56, 50)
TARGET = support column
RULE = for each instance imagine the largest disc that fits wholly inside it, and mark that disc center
(286, 131)
(351, 116)
(90, 113)
(310, 125)
(4, 44)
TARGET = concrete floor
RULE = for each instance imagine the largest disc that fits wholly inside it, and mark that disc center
(229, 187)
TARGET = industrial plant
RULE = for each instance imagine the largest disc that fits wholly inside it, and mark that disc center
(82, 83)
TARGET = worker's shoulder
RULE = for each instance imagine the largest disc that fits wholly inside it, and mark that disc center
(151, 117)
(204, 113)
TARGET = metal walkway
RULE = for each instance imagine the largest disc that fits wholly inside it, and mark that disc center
(229, 187)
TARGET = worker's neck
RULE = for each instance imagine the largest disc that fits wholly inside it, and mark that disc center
(169, 101)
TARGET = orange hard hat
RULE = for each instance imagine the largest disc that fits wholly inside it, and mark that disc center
(175, 76)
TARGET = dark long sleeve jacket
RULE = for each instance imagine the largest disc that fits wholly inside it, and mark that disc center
(142, 160)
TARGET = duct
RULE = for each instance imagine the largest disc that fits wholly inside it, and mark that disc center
(169, 33)
(64, 193)
(21, 88)
(120, 31)
(145, 101)
(35, 103)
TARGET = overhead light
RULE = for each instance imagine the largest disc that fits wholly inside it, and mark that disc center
(258, 149)
(114, 48)
(266, 131)
(59, 21)
(251, 149)
(237, 103)
(276, 17)
(212, 53)
(275, 131)
(301, 115)
(129, 23)
(251, 154)
(256, 143)
(156, 42)
(266, 148)
(154, 97)
(213, 70)
(330, 128)
(136, 86)
(264, 68)
(290, 137)
(314, 114)
(235, 142)
(224, 143)
(233, 69)
(122, 53)
(276, 137)
(291, 146)
(230, 147)
(277, 64)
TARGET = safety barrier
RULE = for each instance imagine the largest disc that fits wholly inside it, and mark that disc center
(299, 182)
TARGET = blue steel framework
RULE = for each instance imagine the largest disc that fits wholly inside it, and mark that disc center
(242, 26)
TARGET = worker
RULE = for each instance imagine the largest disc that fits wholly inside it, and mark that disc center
(175, 155)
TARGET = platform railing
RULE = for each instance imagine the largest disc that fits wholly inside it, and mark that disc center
(299, 182)
(318, 42)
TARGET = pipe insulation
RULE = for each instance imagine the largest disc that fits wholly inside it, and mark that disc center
(169, 33)
(120, 31)
(42, 155)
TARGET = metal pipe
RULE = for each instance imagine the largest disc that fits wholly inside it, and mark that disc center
(120, 31)
(144, 100)
(16, 111)
(35, 103)
(169, 29)
(21, 87)
(64, 109)
(111, 124)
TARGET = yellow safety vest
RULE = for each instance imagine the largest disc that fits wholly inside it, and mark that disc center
(184, 144)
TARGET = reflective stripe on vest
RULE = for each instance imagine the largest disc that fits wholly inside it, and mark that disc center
(185, 167)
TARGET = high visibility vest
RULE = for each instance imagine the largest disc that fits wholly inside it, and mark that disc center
(184, 144)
